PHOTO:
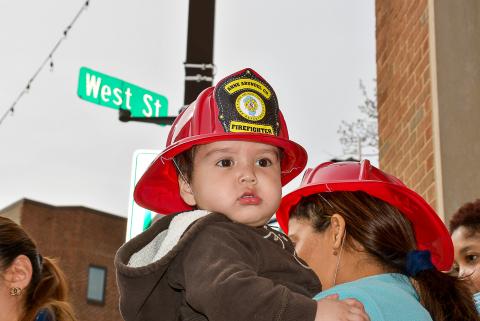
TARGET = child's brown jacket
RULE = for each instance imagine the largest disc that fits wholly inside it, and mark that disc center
(218, 271)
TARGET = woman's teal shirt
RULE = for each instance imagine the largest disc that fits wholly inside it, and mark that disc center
(386, 297)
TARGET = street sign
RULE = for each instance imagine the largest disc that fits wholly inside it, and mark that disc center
(139, 218)
(111, 92)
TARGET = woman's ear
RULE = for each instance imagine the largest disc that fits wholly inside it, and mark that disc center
(186, 191)
(337, 224)
(19, 273)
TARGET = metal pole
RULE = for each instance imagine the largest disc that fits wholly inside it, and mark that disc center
(199, 68)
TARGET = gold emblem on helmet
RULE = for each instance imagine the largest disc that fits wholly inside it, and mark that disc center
(250, 106)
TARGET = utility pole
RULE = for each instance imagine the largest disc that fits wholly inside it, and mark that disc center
(199, 67)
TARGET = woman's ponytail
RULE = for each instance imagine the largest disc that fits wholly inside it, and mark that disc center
(46, 294)
(49, 292)
(445, 296)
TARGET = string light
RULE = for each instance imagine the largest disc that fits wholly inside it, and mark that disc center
(49, 60)
(51, 63)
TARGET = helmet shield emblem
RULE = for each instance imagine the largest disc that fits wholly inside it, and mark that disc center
(247, 103)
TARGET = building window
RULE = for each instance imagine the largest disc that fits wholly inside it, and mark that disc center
(97, 276)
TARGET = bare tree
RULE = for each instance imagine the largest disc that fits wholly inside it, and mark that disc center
(360, 137)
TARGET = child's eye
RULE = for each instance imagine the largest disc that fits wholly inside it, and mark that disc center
(264, 162)
(224, 163)
(471, 258)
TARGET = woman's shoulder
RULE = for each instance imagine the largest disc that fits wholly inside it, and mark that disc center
(359, 291)
(380, 295)
(370, 285)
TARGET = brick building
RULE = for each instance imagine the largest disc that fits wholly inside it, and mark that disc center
(84, 241)
(428, 74)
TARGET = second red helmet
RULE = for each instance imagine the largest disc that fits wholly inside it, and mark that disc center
(430, 232)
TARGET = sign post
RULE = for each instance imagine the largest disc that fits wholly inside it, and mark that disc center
(111, 92)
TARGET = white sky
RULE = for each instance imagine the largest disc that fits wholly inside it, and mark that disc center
(61, 150)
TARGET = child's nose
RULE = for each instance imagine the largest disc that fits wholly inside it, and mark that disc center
(247, 175)
(248, 179)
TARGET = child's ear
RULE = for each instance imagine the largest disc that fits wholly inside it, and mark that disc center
(186, 192)
(19, 273)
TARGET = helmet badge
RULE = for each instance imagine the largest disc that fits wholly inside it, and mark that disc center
(247, 103)
(250, 106)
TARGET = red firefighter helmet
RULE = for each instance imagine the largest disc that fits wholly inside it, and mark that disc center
(430, 232)
(242, 106)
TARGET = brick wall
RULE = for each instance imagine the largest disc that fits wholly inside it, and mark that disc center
(404, 94)
(77, 237)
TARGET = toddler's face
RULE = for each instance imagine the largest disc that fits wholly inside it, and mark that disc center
(467, 256)
(239, 179)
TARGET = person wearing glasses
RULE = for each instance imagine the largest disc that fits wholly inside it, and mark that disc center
(465, 230)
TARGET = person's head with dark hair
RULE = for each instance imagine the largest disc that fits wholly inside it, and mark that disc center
(465, 229)
(32, 287)
(357, 226)
(467, 216)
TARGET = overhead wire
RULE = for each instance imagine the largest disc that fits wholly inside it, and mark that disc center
(49, 58)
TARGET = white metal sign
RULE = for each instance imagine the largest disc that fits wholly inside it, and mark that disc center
(139, 218)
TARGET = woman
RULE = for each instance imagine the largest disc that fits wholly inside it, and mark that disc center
(367, 236)
(32, 287)
(465, 230)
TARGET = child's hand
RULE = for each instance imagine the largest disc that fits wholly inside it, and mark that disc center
(331, 308)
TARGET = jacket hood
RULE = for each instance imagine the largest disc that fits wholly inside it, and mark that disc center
(143, 260)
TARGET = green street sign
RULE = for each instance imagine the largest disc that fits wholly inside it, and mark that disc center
(107, 91)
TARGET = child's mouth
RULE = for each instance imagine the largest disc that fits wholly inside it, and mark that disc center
(249, 199)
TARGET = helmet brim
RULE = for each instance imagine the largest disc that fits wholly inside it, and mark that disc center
(158, 189)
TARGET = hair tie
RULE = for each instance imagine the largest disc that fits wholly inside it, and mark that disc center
(418, 261)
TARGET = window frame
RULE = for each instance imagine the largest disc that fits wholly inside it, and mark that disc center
(105, 270)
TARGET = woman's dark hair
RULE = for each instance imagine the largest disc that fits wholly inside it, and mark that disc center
(387, 235)
(467, 216)
(47, 289)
